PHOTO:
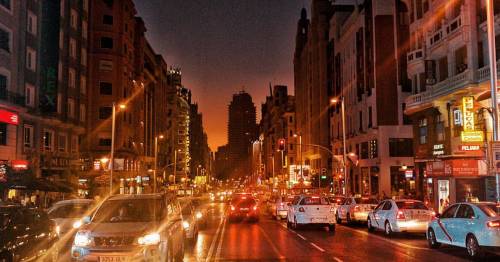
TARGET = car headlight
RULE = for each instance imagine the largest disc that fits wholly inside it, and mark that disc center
(199, 215)
(77, 224)
(185, 224)
(149, 239)
(82, 239)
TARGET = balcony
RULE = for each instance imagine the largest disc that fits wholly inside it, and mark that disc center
(12, 97)
(446, 30)
(415, 55)
(448, 86)
(483, 74)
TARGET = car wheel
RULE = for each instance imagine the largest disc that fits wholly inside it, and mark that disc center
(369, 224)
(295, 224)
(348, 218)
(331, 228)
(431, 239)
(387, 229)
(473, 248)
(338, 218)
(288, 224)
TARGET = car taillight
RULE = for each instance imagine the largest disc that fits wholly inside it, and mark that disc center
(494, 224)
(255, 208)
(233, 208)
(356, 208)
(400, 215)
(301, 209)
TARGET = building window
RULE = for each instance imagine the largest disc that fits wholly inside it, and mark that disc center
(31, 59)
(439, 128)
(361, 121)
(107, 42)
(48, 140)
(71, 78)
(29, 94)
(74, 19)
(82, 113)
(105, 142)
(406, 118)
(3, 134)
(106, 88)
(32, 23)
(373, 149)
(5, 4)
(107, 19)
(4, 39)
(71, 108)
(3, 86)
(72, 48)
(85, 31)
(83, 85)
(422, 130)
(105, 65)
(84, 57)
(74, 144)
(28, 136)
(370, 116)
(62, 143)
(105, 112)
(400, 147)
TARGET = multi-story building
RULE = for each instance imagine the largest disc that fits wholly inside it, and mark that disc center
(449, 68)
(311, 89)
(178, 120)
(116, 65)
(198, 144)
(221, 162)
(366, 42)
(44, 70)
(242, 131)
(278, 123)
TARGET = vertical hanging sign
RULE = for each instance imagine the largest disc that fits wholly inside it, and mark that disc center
(49, 56)
(468, 133)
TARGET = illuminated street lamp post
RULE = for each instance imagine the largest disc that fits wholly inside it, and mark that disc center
(334, 101)
(156, 162)
(112, 158)
(300, 152)
(490, 16)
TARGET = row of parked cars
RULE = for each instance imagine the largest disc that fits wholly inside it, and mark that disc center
(148, 227)
(474, 226)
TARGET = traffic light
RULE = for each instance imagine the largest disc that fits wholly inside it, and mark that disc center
(281, 144)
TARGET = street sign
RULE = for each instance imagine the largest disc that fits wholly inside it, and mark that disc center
(323, 177)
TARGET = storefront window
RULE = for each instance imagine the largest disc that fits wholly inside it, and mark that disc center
(374, 180)
(402, 183)
(470, 190)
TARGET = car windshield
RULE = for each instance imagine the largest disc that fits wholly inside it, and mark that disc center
(314, 201)
(364, 200)
(129, 210)
(248, 202)
(490, 210)
(410, 205)
(76, 210)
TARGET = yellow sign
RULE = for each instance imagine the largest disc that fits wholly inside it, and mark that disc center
(472, 136)
(468, 113)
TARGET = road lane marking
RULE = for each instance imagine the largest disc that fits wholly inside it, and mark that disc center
(214, 241)
(221, 239)
(301, 236)
(337, 259)
(273, 246)
(317, 247)
(385, 239)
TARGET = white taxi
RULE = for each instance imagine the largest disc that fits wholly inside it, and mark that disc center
(474, 226)
(311, 210)
(403, 215)
(279, 207)
(355, 209)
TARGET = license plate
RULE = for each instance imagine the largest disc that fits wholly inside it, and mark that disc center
(244, 209)
(318, 219)
(112, 259)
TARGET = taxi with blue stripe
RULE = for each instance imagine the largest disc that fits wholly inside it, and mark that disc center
(474, 226)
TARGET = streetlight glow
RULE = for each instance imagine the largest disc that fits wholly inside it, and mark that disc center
(122, 106)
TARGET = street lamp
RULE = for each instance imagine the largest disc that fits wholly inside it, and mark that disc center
(334, 101)
(112, 158)
(156, 162)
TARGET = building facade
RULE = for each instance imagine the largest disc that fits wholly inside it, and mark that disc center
(449, 68)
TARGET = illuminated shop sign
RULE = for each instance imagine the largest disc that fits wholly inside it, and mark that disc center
(438, 150)
(469, 134)
(19, 164)
(9, 117)
(470, 147)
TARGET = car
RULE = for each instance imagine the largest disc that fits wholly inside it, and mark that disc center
(311, 210)
(405, 215)
(474, 226)
(68, 215)
(355, 209)
(279, 208)
(201, 211)
(243, 207)
(336, 201)
(189, 220)
(27, 234)
(146, 227)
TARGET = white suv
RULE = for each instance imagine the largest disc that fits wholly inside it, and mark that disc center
(311, 210)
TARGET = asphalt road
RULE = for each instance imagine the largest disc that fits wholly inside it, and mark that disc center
(270, 240)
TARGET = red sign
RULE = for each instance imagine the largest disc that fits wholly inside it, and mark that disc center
(453, 167)
(469, 147)
(9, 117)
(19, 164)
